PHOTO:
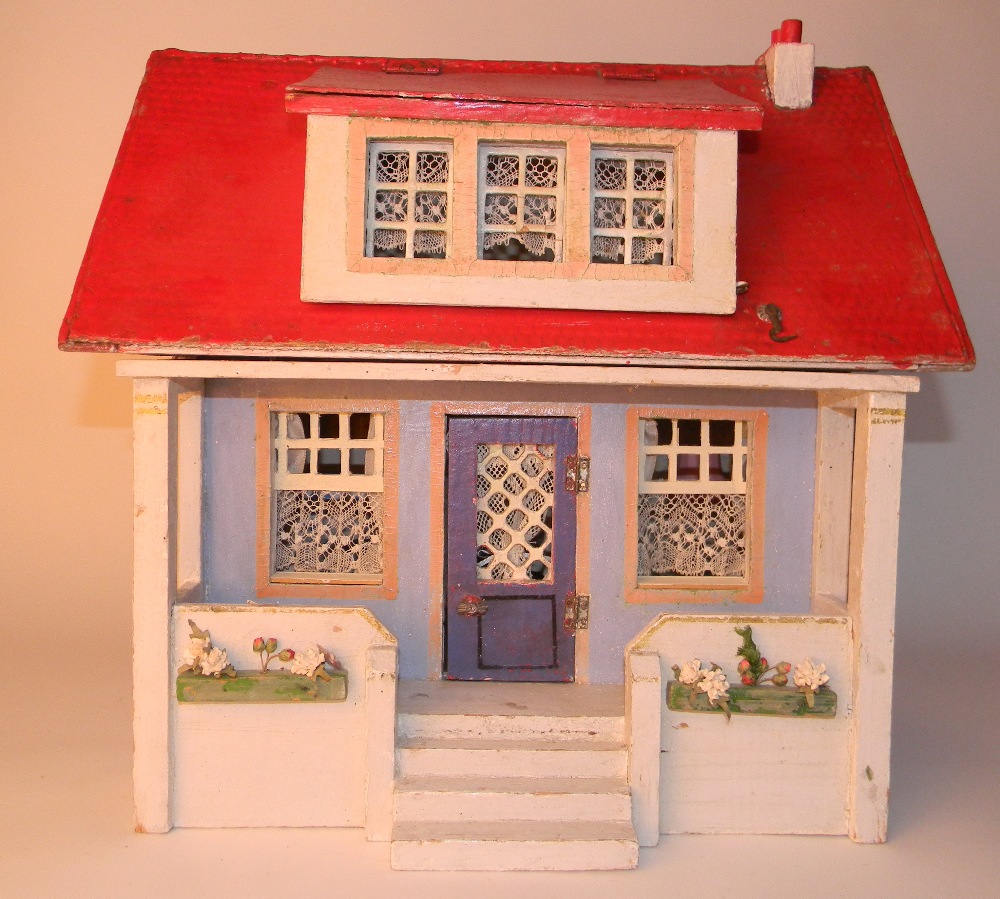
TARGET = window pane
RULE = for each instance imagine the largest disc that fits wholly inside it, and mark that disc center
(432, 167)
(298, 461)
(722, 432)
(328, 461)
(657, 431)
(688, 467)
(329, 426)
(361, 426)
(657, 468)
(689, 432)
(361, 461)
(430, 245)
(388, 242)
(391, 206)
(720, 467)
(541, 171)
(502, 170)
(297, 425)
(392, 167)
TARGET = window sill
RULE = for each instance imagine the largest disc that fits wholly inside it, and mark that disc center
(693, 590)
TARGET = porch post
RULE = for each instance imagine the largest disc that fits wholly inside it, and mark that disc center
(381, 665)
(154, 424)
(878, 453)
(643, 704)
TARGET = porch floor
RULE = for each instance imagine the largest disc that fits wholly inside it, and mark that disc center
(442, 697)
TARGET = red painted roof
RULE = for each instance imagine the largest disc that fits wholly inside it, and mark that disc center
(598, 98)
(197, 246)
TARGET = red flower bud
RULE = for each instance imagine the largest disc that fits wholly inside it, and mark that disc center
(743, 666)
(780, 680)
(784, 667)
(763, 662)
(271, 645)
(286, 655)
(747, 680)
(258, 644)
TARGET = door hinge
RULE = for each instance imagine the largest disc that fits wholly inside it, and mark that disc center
(577, 614)
(578, 474)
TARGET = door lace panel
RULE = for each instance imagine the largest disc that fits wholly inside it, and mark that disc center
(515, 483)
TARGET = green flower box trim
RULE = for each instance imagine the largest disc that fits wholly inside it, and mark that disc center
(261, 687)
(781, 702)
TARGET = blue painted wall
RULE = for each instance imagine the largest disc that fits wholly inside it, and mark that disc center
(230, 510)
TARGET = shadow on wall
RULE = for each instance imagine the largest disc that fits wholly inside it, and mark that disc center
(105, 400)
(928, 418)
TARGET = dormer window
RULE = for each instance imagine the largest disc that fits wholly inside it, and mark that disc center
(476, 188)
(408, 200)
(631, 208)
(521, 203)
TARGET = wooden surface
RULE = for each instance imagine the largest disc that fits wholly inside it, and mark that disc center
(757, 774)
(782, 702)
(505, 92)
(871, 600)
(316, 753)
(631, 375)
(154, 443)
(257, 687)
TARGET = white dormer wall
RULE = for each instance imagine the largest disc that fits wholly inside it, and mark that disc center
(335, 269)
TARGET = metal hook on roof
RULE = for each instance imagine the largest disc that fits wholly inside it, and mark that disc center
(772, 314)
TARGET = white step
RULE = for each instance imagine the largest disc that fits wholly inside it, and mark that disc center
(512, 798)
(512, 727)
(514, 846)
(422, 757)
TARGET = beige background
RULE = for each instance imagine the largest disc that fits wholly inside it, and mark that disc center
(69, 74)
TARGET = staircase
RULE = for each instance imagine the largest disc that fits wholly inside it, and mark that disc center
(511, 777)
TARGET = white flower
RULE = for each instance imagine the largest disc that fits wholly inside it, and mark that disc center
(810, 676)
(196, 651)
(214, 662)
(307, 661)
(690, 672)
(714, 683)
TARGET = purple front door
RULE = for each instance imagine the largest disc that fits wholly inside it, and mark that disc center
(511, 549)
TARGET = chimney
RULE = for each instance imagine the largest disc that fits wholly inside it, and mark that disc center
(789, 64)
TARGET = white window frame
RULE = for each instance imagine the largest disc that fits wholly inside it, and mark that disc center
(411, 188)
(286, 478)
(628, 196)
(747, 479)
(521, 190)
(335, 269)
(281, 467)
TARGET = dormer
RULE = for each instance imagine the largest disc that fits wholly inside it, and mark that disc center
(520, 185)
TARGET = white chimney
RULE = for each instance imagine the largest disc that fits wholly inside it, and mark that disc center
(789, 64)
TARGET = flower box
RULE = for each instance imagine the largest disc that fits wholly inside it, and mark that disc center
(782, 702)
(260, 687)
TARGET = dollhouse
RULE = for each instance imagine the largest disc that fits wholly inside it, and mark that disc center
(494, 422)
